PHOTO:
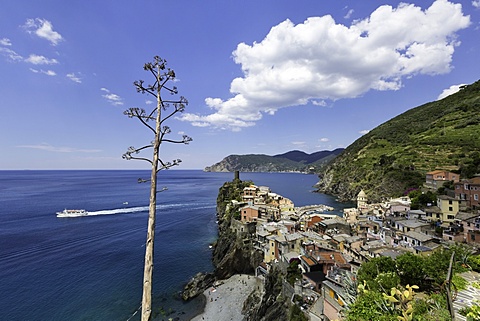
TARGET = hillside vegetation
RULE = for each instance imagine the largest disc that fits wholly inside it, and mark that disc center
(293, 161)
(395, 156)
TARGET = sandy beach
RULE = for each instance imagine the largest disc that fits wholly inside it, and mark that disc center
(225, 301)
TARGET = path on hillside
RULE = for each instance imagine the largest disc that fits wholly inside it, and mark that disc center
(466, 297)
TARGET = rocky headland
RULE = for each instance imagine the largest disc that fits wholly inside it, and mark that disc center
(293, 161)
(234, 254)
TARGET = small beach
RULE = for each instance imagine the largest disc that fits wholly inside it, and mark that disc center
(225, 301)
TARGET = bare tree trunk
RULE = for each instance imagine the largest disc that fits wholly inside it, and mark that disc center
(162, 75)
(148, 267)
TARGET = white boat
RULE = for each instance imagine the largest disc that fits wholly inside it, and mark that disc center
(72, 213)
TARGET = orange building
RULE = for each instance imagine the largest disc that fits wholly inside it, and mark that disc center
(249, 213)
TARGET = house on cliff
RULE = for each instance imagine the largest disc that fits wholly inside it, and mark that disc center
(467, 191)
(436, 179)
(249, 213)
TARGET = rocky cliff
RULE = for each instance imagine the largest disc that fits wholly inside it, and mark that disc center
(234, 254)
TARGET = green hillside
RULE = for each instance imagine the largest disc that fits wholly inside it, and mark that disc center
(396, 155)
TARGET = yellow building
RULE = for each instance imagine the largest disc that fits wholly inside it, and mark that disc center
(449, 207)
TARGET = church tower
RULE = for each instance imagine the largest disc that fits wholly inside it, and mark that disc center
(362, 200)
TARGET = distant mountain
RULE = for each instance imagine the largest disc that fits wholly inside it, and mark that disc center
(293, 161)
(395, 156)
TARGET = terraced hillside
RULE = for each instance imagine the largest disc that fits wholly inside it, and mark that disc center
(395, 156)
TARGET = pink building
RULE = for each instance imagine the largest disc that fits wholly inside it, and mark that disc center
(437, 178)
(249, 213)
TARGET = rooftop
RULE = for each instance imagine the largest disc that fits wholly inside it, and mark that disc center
(412, 223)
(419, 236)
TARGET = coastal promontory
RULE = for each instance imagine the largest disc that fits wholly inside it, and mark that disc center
(293, 161)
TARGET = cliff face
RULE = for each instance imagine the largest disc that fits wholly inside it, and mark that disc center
(234, 254)
(270, 306)
(233, 251)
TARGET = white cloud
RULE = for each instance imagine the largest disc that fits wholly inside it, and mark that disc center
(349, 14)
(113, 99)
(43, 29)
(324, 139)
(46, 72)
(476, 3)
(40, 60)
(5, 42)
(75, 78)
(365, 131)
(50, 148)
(322, 60)
(450, 91)
(148, 102)
(10, 54)
(321, 103)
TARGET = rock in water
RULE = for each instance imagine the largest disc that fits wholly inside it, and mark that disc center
(199, 283)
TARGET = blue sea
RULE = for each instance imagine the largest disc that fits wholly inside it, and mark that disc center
(91, 268)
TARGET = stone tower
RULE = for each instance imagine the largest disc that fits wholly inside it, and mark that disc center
(362, 200)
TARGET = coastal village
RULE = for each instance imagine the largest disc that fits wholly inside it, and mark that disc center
(330, 248)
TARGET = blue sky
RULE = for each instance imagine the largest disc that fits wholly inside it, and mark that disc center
(261, 77)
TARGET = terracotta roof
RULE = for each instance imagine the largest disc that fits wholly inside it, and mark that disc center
(308, 260)
(436, 172)
(337, 257)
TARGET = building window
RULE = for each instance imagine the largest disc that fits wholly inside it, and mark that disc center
(475, 197)
(451, 217)
(450, 209)
(450, 202)
(331, 293)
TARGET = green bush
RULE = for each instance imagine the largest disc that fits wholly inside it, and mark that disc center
(474, 262)
(296, 314)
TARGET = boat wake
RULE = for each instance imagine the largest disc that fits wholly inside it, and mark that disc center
(139, 209)
(120, 211)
